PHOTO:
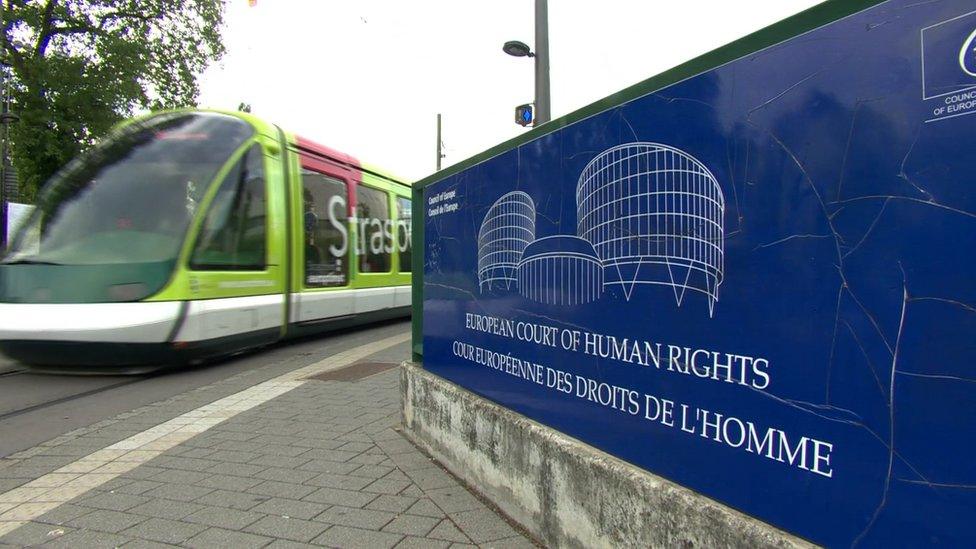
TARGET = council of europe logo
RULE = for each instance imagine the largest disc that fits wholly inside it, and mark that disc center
(967, 55)
(948, 51)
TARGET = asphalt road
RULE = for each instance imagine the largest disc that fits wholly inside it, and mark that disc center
(38, 407)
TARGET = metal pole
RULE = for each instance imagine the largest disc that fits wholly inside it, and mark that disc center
(3, 159)
(541, 62)
(440, 144)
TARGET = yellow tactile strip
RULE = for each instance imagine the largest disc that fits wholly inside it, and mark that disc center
(31, 500)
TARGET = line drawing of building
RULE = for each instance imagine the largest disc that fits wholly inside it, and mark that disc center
(506, 230)
(560, 270)
(647, 215)
(654, 214)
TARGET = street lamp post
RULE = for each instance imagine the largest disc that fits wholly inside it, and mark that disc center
(542, 61)
(541, 55)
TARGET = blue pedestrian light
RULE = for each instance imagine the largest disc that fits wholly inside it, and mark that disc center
(524, 115)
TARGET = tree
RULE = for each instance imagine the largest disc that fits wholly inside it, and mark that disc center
(77, 67)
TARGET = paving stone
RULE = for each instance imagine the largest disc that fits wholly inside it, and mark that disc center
(412, 491)
(454, 499)
(430, 479)
(34, 534)
(397, 445)
(112, 502)
(384, 486)
(346, 482)
(217, 537)
(394, 504)
(114, 484)
(517, 542)
(337, 496)
(280, 461)
(146, 544)
(287, 544)
(281, 490)
(360, 518)
(7, 484)
(319, 442)
(183, 464)
(482, 525)
(233, 456)
(164, 530)
(175, 476)
(356, 447)
(372, 471)
(229, 482)
(291, 508)
(413, 461)
(218, 433)
(198, 452)
(286, 475)
(232, 500)
(237, 469)
(330, 455)
(26, 471)
(138, 487)
(287, 528)
(447, 531)
(179, 492)
(167, 509)
(397, 475)
(89, 540)
(411, 525)
(63, 513)
(106, 521)
(222, 517)
(354, 538)
(333, 467)
(427, 508)
(368, 459)
(144, 472)
(422, 543)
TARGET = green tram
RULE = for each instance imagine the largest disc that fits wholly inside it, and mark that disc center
(185, 235)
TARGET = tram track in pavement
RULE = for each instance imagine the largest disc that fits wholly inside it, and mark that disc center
(64, 399)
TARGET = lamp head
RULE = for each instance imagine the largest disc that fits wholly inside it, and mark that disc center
(516, 48)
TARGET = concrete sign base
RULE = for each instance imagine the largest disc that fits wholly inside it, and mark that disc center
(565, 492)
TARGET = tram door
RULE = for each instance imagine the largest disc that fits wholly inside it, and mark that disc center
(234, 271)
(325, 243)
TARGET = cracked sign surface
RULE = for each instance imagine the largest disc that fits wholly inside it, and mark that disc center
(758, 282)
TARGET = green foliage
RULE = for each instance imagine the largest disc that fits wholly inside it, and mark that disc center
(79, 66)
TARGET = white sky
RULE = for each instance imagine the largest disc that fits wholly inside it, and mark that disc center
(368, 77)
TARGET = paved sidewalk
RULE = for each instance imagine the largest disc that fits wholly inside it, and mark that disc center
(321, 463)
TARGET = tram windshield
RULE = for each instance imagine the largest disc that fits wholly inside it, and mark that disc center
(132, 197)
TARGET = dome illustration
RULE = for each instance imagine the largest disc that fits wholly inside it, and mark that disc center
(508, 227)
(560, 270)
(654, 214)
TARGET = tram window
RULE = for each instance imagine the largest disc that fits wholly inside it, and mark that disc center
(233, 236)
(375, 236)
(403, 233)
(325, 215)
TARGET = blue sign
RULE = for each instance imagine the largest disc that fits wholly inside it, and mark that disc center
(758, 282)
